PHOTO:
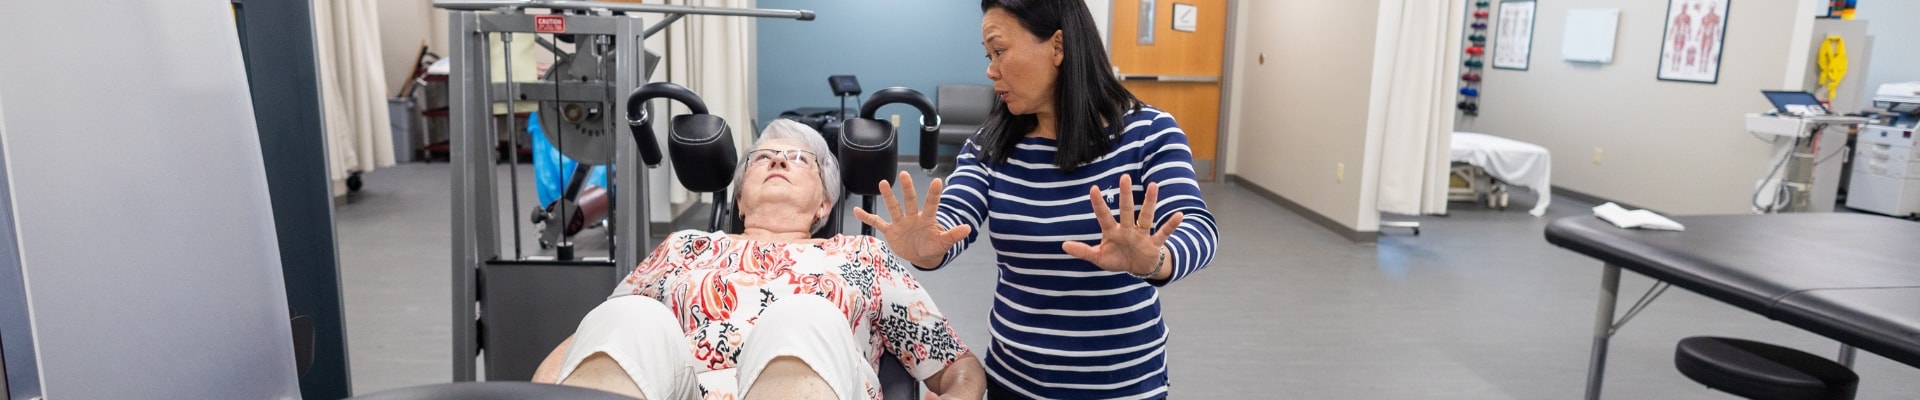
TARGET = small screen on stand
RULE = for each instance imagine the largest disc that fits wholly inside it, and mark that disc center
(1794, 103)
(844, 85)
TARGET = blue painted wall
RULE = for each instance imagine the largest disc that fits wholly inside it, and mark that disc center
(917, 44)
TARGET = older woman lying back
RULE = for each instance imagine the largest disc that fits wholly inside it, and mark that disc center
(770, 312)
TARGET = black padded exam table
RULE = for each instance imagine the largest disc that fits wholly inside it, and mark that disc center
(1853, 278)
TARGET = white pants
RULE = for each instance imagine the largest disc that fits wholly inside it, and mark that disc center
(642, 336)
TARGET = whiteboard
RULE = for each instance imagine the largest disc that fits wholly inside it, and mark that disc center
(1589, 35)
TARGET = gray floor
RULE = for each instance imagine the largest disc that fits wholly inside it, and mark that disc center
(1478, 306)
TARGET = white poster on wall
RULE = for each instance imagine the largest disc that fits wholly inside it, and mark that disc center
(1690, 50)
(1589, 35)
(1513, 35)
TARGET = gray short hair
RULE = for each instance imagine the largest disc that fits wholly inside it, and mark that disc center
(829, 167)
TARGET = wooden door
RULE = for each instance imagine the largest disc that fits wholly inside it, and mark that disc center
(1179, 71)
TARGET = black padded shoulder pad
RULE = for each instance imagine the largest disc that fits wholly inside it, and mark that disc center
(701, 146)
(867, 155)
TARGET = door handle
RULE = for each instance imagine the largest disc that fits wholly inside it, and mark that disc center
(1171, 78)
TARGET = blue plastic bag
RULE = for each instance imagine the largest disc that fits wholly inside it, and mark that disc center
(552, 169)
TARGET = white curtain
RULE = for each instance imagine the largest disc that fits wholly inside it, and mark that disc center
(713, 55)
(1425, 61)
(352, 87)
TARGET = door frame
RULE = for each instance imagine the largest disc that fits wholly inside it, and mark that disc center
(1220, 149)
(1229, 58)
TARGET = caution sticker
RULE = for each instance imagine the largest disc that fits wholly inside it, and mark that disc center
(550, 24)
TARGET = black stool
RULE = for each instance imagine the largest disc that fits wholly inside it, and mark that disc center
(1757, 370)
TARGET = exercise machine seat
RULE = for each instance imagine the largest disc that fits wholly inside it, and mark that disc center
(1762, 371)
(492, 391)
(963, 109)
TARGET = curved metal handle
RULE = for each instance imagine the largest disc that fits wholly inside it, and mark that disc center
(639, 120)
(929, 132)
(898, 95)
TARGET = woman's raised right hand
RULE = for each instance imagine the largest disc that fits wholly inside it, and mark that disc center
(913, 234)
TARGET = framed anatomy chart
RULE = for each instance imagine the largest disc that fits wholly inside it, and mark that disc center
(1513, 35)
(1690, 49)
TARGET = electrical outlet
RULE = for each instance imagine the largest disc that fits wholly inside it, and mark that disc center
(1340, 172)
(1598, 155)
(896, 120)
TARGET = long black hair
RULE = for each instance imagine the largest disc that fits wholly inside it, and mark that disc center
(1086, 94)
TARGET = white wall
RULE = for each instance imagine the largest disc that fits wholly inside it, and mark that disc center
(1305, 109)
(1895, 57)
(1102, 11)
(1238, 55)
(1674, 146)
(404, 24)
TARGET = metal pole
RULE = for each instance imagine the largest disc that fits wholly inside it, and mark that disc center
(657, 26)
(1846, 355)
(1602, 329)
(478, 5)
(628, 176)
(867, 203)
(464, 229)
(513, 140)
(562, 244)
(1799, 179)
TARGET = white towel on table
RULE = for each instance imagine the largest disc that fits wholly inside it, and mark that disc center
(1643, 219)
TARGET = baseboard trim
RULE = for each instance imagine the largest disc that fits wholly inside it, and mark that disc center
(1351, 234)
(1590, 198)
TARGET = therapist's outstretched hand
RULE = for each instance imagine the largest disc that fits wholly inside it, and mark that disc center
(1129, 244)
(913, 234)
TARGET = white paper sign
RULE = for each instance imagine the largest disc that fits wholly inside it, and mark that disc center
(1185, 17)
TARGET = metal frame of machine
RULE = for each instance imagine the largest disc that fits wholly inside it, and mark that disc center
(512, 306)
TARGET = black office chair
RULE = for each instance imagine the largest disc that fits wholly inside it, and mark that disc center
(1757, 370)
(963, 109)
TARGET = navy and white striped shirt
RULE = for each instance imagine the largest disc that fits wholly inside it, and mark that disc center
(1062, 327)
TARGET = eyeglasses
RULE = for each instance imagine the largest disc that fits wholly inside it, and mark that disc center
(794, 157)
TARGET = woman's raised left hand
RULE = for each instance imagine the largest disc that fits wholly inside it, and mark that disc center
(1129, 244)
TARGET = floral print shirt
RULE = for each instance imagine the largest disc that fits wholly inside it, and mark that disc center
(717, 286)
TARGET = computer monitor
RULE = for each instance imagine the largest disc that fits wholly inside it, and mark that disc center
(844, 85)
(1794, 103)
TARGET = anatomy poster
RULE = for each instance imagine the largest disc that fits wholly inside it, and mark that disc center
(1690, 51)
(1513, 35)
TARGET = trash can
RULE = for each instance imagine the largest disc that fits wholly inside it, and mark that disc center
(402, 118)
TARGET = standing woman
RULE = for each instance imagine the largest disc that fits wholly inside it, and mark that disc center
(1076, 313)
